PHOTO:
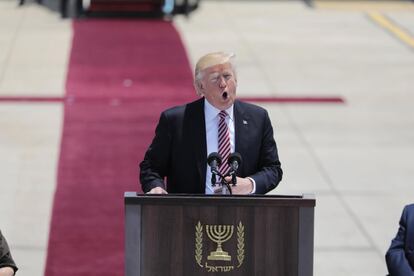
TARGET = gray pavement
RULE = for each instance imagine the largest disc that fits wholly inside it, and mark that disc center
(357, 157)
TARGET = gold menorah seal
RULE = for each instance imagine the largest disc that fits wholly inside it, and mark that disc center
(219, 234)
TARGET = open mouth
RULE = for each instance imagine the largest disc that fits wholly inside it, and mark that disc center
(225, 95)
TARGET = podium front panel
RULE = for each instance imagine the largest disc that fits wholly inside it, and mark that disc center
(210, 235)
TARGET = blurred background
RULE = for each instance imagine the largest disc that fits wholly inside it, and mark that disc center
(82, 84)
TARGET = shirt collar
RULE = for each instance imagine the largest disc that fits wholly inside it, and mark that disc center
(211, 112)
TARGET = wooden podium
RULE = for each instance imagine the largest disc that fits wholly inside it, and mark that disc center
(189, 235)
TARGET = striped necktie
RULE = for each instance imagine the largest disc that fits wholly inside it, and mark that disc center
(223, 143)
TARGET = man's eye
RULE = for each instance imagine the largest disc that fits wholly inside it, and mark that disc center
(227, 77)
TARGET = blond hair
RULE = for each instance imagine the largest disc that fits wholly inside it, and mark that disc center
(212, 59)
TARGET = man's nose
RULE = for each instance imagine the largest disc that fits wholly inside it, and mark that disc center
(222, 82)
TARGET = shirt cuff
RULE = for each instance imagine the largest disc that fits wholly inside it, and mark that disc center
(253, 184)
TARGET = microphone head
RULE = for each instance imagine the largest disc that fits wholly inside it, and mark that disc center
(214, 156)
(235, 157)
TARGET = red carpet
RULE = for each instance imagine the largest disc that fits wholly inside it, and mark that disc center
(133, 70)
(293, 99)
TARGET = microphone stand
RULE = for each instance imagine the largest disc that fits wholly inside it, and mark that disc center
(232, 173)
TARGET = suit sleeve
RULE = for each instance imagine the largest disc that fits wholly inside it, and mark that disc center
(269, 172)
(154, 167)
(6, 259)
(397, 262)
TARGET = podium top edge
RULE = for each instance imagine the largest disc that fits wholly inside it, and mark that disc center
(305, 200)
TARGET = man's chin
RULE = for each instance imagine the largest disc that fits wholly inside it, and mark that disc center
(226, 103)
(222, 104)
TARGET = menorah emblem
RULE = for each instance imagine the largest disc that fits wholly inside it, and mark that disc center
(219, 234)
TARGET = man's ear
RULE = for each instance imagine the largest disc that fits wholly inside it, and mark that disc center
(199, 87)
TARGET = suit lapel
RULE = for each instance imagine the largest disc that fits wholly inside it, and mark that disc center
(198, 140)
(241, 128)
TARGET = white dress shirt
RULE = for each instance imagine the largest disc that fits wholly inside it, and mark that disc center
(212, 120)
(211, 115)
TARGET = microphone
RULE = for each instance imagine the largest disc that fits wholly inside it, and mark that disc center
(234, 161)
(214, 161)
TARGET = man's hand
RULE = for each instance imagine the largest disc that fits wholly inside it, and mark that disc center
(6, 271)
(244, 186)
(157, 190)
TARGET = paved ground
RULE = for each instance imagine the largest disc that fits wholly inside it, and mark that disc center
(357, 157)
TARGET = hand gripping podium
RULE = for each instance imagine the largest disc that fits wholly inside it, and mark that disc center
(196, 235)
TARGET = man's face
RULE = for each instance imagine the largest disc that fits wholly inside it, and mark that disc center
(218, 85)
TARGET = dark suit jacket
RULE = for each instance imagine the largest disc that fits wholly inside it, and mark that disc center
(179, 153)
(400, 255)
(6, 259)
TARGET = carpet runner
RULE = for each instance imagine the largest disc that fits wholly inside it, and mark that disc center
(122, 74)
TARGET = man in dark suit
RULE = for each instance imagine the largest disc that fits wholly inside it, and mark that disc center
(7, 265)
(187, 134)
(400, 255)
